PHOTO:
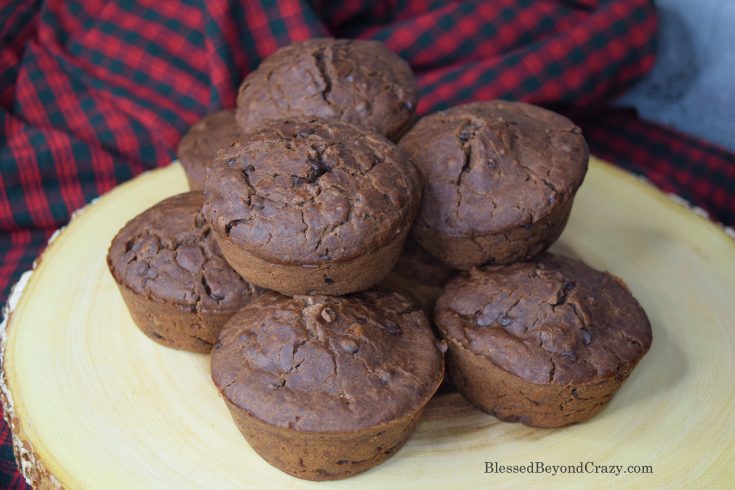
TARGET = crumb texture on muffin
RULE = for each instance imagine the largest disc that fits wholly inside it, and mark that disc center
(310, 191)
(328, 364)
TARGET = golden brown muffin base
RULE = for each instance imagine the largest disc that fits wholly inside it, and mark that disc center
(512, 399)
(330, 278)
(512, 245)
(173, 325)
(324, 456)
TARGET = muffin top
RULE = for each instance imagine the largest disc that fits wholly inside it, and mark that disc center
(326, 363)
(307, 191)
(416, 265)
(199, 145)
(552, 320)
(490, 166)
(360, 82)
(167, 253)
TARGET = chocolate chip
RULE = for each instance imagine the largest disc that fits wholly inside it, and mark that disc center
(383, 375)
(441, 346)
(279, 384)
(392, 327)
(569, 356)
(296, 180)
(139, 268)
(218, 344)
(483, 320)
(349, 345)
(328, 280)
(318, 168)
(574, 392)
(586, 336)
(464, 135)
(569, 285)
(304, 133)
(329, 315)
(504, 320)
(199, 220)
(231, 162)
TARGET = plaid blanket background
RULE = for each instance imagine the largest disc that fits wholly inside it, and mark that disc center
(93, 93)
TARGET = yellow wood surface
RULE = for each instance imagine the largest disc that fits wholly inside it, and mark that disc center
(99, 405)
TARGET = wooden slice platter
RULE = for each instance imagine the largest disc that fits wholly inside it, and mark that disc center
(93, 403)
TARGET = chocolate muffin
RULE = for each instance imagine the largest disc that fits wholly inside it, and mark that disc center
(325, 387)
(172, 276)
(360, 82)
(311, 206)
(199, 145)
(546, 342)
(499, 180)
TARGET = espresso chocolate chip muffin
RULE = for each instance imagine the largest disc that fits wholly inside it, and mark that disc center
(546, 342)
(325, 387)
(359, 82)
(310, 206)
(199, 145)
(499, 180)
(178, 288)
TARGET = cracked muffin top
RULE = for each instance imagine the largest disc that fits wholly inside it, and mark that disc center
(168, 254)
(552, 320)
(326, 363)
(491, 166)
(360, 82)
(308, 191)
(199, 145)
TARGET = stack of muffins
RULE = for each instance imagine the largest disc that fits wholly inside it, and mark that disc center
(316, 187)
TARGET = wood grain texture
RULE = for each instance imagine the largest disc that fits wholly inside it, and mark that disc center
(95, 404)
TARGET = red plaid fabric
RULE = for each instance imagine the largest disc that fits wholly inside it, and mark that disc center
(93, 93)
